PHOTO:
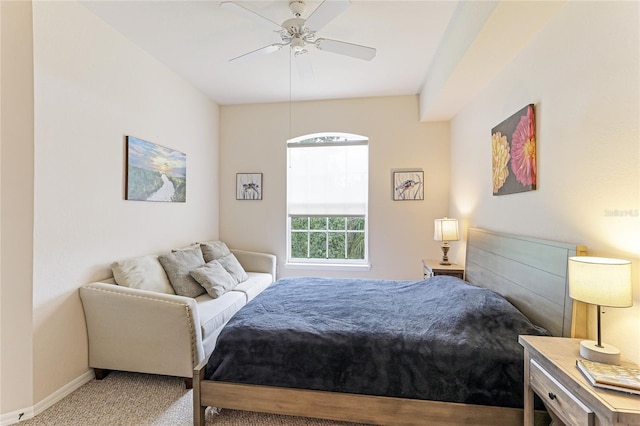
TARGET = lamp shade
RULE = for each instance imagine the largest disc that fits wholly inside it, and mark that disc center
(600, 281)
(446, 230)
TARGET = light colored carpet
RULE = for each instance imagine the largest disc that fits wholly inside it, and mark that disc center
(130, 399)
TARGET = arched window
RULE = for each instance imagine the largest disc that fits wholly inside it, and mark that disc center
(327, 192)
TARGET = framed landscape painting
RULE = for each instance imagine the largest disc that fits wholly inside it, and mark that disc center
(154, 172)
(249, 186)
(513, 153)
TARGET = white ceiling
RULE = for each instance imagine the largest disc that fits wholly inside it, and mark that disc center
(197, 38)
(445, 51)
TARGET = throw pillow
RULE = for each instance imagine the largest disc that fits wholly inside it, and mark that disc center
(213, 250)
(217, 250)
(214, 278)
(189, 247)
(177, 265)
(144, 273)
(233, 267)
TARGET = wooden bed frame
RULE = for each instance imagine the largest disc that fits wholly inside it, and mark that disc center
(530, 273)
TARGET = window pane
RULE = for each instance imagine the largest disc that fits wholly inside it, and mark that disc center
(355, 245)
(355, 223)
(318, 245)
(327, 180)
(299, 223)
(327, 189)
(336, 245)
(318, 223)
(336, 223)
(299, 244)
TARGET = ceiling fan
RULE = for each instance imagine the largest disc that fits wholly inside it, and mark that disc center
(298, 33)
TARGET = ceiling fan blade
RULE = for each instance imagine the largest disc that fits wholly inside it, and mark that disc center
(344, 48)
(248, 13)
(303, 64)
(258, 52)
(324, 13)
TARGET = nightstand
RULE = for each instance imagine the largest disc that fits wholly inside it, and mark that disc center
(432, 268)
(550, 371)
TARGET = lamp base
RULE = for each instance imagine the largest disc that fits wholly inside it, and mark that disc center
(605, 354)
(445, 250)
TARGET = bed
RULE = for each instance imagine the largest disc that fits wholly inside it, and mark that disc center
(529, 273)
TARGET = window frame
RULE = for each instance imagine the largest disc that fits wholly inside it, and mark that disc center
(328, 263)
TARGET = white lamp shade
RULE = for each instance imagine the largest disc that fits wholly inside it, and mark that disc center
(600, 281)
(446, 230)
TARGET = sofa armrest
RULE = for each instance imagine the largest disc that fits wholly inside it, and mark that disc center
(253, 261)
(141, 331)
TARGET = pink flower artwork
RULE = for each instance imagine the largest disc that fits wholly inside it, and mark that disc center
(523, 149)
(513, 152)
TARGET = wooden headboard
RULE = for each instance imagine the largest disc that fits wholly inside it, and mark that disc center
(530, 273)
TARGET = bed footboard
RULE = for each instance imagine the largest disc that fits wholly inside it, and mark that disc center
(344, 407)
(198, 408)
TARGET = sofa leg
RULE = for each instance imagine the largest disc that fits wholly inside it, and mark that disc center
(101, 373)
(188, 382)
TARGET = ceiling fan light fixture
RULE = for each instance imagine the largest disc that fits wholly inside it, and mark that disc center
(297, 45)
(297, 32)
(293, 26)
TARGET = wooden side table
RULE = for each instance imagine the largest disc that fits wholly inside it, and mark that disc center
(432, 267)
(550, 371)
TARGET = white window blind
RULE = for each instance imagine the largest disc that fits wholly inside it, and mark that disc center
(328, 179)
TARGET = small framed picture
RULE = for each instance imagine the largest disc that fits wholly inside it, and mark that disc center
(248, 186)
(408, 185)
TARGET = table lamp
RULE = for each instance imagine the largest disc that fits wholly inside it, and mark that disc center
(445, 230)
(602, 282)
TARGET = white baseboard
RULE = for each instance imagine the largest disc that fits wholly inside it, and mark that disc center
(16, 416)
(27, 413)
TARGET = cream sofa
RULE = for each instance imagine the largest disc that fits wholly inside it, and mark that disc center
(132, 329)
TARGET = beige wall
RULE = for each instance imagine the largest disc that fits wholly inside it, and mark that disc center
(16, 211)
(253, 139)
(92, 87)
(582, 73)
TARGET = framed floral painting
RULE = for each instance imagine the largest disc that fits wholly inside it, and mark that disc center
(513, 153)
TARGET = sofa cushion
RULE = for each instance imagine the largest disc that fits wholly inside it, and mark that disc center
(177, 265)
(257, 282)
(217, 250)
(144, 273)
(212, 250)
(214, 313)
(214, 278)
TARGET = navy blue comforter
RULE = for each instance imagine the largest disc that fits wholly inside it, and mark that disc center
(439, 339)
